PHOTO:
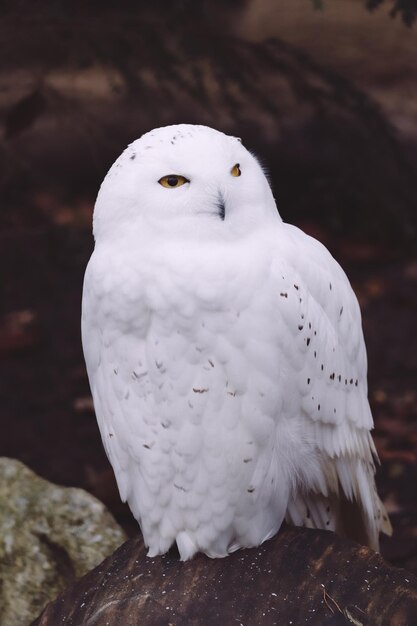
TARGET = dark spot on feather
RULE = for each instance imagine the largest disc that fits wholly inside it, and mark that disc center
(145, 445)
(296, 286)
(251, 489)
(328, 509)
(356, 382)
(318, 407)
(322, 367)
(339, 377)
(133, 157)
(300, 327)
(309, 325)
(110, 434)
(204, 390)
(137, 376)
(308, 514)
(284, 295)
(211, 363)
(341, 311)
(247, 460)
(308, 341)
(180, 487)
(330, 285)
(351, 381)
(331, 376)
(232, 393)
(308, 381)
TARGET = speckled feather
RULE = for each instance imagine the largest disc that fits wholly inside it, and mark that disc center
(225, 354)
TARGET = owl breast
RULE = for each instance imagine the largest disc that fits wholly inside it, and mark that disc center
(190, 389)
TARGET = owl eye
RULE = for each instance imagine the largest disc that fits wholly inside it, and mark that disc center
(172, 180)
(235, 171)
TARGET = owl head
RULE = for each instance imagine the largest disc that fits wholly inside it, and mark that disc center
(184, 176)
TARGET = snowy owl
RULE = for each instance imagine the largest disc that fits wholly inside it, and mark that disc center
(225, 354)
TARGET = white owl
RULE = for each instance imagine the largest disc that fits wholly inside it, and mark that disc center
(225, 354)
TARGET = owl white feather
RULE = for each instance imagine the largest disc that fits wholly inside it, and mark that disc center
(225, 354)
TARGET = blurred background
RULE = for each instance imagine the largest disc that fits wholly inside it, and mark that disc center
(324, 92)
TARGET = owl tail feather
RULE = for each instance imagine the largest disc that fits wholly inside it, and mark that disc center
(340, 514)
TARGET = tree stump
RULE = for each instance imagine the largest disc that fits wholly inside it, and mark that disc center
(300, 576)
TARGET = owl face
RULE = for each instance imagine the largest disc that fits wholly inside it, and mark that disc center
(184, 174)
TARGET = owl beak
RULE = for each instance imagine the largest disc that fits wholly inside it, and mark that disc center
(221, 206)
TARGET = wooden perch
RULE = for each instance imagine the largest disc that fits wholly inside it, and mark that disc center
(299, 577)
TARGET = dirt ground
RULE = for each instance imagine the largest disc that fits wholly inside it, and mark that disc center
(47, 418)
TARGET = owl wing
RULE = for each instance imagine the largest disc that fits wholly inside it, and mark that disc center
(106, 402)
(323, 318)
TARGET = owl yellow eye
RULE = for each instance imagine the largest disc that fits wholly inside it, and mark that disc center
(172, 180)
(235, 171)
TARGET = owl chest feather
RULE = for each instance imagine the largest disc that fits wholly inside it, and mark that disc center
(200, 329)
(193, 373)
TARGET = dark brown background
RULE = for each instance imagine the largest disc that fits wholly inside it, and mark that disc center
(324, 92)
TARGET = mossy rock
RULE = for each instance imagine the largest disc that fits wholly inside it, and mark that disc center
(49, 535)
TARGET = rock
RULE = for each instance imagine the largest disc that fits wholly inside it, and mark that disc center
(300, 576)
(49, 535)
